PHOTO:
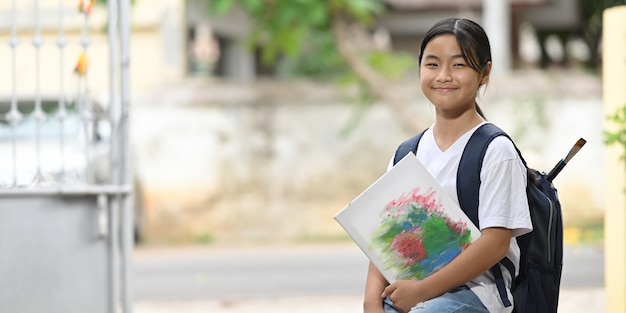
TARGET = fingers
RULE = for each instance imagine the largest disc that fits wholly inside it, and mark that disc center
(389, 290)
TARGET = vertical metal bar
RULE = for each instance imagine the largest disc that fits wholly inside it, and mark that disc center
(125, 89)
(113, 114)
(37, 114)
(113, 221)
(61, 114)
(127, 250)
(113, 255)
(82, 92)
(126, 170)
(14, 115)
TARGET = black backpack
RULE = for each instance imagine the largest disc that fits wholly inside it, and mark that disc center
(536, 288)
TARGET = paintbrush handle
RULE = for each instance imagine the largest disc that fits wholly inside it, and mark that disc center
(556, 170)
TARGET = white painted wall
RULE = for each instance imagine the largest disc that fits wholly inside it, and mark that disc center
(258, 161)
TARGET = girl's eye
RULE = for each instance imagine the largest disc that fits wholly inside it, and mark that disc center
(459, 65)
(431, 64)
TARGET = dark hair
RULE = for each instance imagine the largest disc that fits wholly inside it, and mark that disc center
(471, 38)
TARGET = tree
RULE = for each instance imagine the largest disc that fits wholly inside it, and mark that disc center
(282, 28)
(591, 29)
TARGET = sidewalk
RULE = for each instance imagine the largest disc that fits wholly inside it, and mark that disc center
(571, 301)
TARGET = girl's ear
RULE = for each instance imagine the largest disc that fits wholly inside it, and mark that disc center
(485, 75)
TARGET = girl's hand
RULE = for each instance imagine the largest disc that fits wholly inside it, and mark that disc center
(404, 294)
(374, 285)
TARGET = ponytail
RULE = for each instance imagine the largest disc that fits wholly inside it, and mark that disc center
(480, 112)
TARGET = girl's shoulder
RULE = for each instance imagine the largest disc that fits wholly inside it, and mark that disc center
(501, 149)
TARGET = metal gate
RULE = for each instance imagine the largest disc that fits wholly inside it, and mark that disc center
(66, 219)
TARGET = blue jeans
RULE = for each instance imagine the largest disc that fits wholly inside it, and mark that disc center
(460, 299)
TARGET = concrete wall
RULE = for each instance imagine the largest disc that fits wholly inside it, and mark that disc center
(267, 160)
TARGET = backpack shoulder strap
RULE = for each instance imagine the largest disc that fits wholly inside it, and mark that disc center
(468, 187)
(470, 165)
(409, 145)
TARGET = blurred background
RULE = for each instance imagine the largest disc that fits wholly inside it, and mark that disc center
(224, 123)
(299, 110)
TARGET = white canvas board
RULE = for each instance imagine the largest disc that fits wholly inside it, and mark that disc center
(406, 224)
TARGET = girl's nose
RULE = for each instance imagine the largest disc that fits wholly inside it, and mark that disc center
(444, 75)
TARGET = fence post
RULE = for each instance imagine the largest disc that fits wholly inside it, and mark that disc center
(614, 94)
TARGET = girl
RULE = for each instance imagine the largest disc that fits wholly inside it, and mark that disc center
(455, 61)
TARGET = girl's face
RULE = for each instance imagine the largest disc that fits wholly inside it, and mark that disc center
(446, 79)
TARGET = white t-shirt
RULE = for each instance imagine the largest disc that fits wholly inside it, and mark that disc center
(502, 198)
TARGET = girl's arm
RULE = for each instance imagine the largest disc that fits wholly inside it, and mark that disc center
(374, 286)
(480, 256)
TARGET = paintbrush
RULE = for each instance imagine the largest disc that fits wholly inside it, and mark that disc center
(561, 164)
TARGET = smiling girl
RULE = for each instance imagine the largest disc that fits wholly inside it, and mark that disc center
(455, 62)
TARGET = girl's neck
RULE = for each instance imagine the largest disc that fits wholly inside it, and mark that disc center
(447, 131)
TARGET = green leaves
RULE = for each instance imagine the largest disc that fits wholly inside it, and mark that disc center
(301, 30)
(361, 10)
(219, 7)
(254, 6)
(326, 38)
(391, 65)
(317, 58)
(282, 27)
(617, 136)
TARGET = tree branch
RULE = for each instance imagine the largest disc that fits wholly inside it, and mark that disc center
(344, 38)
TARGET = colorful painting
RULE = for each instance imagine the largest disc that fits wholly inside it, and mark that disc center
(415, 237)
(406, 223)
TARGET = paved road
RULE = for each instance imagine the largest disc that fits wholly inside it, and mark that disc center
(216, 273)
(201, 274)
(583, 267)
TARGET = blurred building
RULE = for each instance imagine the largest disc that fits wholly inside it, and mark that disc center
(406, 21)
(174, 39)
